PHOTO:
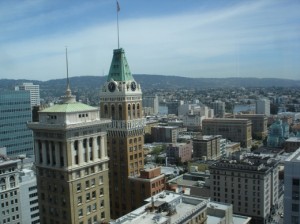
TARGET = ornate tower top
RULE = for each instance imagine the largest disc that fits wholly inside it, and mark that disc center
(119, 68)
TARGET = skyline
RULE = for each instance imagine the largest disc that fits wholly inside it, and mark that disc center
(202, 39)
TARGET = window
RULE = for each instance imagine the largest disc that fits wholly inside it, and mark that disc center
(80, 213)
(88, 196)
(101, 180)
(295, 182)
(79, 200)
(79, 187)
(94, 194)
(88, 209)
(295, 207)
(87, 184)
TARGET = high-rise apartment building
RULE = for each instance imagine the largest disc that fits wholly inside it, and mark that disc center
(263, 107)
(292, 188)
(121, 100)
(236, 130)
(34, 92)
(250, 184)
(71, 163)
(15, 112)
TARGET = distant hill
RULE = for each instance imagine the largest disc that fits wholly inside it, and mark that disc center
(83, 83)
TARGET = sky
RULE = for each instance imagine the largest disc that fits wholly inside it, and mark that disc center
(191, 38)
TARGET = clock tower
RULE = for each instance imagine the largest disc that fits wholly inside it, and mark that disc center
(121, 101)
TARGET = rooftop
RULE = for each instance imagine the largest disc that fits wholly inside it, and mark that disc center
(69, 107)
(166, 206)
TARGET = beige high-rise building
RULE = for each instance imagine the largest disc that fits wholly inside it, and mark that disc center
(121, 101)
(71, 163)
(236, 130)
(250, 184)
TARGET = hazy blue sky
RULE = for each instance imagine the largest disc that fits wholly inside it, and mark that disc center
(192, 38)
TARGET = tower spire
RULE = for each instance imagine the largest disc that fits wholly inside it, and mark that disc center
(118, 10)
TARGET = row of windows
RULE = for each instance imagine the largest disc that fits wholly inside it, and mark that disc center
(7, 170)
(14, 103)
(14, 131)
(6, 195)
(20, 116)
(5, 204)
(13, 218)
(15, 110)
(12, 210)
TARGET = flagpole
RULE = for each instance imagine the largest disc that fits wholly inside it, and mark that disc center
(118, 9)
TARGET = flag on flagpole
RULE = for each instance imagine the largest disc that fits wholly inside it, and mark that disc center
(118, 7)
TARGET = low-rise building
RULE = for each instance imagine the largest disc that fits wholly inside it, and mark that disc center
(292, 144)
(164, 134)
(179, 152)
(207, 146)
(166, 208)
(150, 182)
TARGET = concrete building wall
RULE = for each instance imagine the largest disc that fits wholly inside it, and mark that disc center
(237, 130)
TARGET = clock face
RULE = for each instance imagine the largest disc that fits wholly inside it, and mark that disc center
(133, 86)
(111, 86)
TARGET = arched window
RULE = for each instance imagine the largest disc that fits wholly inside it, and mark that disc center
(120, 112)
(105, 110)
(2, 184)
(133, 110)
(138, 110)
(129, 111)
(12, 181)
(113, 111)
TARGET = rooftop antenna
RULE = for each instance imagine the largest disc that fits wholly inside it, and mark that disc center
(68, 98)
(68, 92)
(118, 10)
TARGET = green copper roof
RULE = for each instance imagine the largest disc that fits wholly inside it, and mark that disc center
(69, 107)
(119, 68)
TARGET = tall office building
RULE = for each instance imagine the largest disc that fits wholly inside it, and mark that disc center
(121, 100)
(219, 108)
(34, 92)
(263, 107)
(151, 102)
(292, 188)
(71, 163)
(15, 112)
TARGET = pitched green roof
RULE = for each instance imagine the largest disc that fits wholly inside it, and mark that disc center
(69, 107)
(119, 68)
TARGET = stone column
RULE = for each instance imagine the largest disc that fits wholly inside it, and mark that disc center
(72, 153)
(37, 152)
(57, 154)
(50, 152)
(102, 146)
(80, 152)
(95, 149)
(44, 153)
